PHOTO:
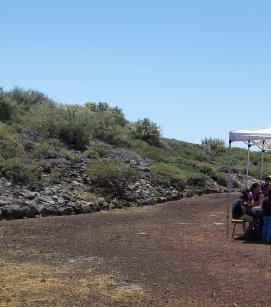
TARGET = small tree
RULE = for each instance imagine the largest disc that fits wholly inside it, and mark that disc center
(147, 131)
(214, 146)
(28, 99)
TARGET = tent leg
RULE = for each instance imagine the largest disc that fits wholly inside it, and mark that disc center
(248, 160)
(263, 151)
(229, 190)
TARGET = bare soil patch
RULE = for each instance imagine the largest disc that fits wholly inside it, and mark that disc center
(165, 255)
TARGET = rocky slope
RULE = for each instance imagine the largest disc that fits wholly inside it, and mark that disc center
(66, 189)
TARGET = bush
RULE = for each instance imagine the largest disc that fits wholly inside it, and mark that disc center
(67, 154)
(220, 178)
(147, 131)
(6, 108)
(103, 169)
(91, 154)
(8, 135)
(102, 151)
(166, 173)
(188, 152)
(146, 150)
(74, 135)
(21, 171)
(255, 171)
(206, 168)
(112, 174)
(54, 177)
(44, 149)
(28, 99)
(214, 146)
(9, 143)
(104, 126)
(33, 176)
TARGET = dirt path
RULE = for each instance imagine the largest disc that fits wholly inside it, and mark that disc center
(166, 255)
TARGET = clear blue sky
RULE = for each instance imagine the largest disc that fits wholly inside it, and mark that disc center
(197, 68)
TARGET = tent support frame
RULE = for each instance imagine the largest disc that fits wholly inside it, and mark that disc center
(263, 150)
(248, 163)
(262, 161)
(229, 187)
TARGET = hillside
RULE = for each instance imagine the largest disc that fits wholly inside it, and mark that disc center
(60, 159)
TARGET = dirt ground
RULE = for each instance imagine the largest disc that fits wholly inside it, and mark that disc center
(173, 254)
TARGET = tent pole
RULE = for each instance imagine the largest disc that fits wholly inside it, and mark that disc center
(229, 189)
(248, 160)
(263, 151)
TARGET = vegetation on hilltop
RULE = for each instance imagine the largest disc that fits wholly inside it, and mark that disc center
(59, 127)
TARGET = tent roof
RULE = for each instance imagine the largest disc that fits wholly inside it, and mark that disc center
(257, 135)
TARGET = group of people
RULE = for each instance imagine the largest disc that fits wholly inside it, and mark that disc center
(254, 208)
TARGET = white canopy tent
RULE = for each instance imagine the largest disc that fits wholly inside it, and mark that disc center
(256, 137)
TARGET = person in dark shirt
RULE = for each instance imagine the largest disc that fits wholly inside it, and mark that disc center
(239, 210)
(253, 206)
(267, 218)
(266, 186)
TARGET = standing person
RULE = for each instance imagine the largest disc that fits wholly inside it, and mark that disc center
(267, 219)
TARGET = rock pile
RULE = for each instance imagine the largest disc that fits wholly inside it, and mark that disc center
(65, 189)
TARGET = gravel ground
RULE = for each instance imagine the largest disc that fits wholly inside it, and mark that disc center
(173, 254)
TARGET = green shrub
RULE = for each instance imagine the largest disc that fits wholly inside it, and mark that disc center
(21, 171)
(147, 131)
(188, 152)
(8, 151)
(43, 149)
(28, 99)
(112, 174)
(206, 168)
(54, 177)
(75, 136)
(91, 154)
(255, 171)
(104, 126)
(146, 150)
(102, 151)
(214, 146)
(220, 178)
(8, 135)
(33, 176)
(67, 154)
(6, 108)
(235, 184)
(11, 167)
(166, 173)
(114, 169)
(10, 145)
(195, 178)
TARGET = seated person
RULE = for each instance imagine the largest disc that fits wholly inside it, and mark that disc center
(267, 218)
(253, 206)
(239, 208)
(266, 186)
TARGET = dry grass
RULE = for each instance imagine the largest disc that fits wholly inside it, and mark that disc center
(41, 284)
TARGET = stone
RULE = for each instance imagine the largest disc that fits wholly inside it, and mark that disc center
(29, 195)
(50, 210)
(80, 207)
(66, 210)
(46, 199)
(16, 211)
(95, 207)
